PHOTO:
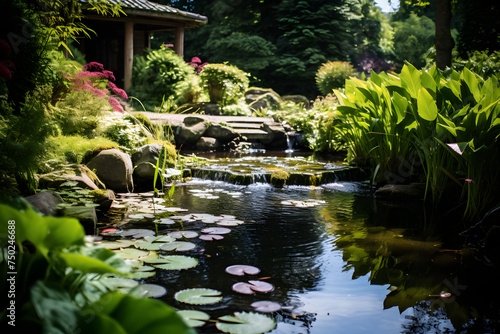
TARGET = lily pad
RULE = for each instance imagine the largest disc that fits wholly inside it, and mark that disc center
(246, 323)
(266, 306)
(149, 290)
(154, 243)
(229, 222)
(194, 318)
(165, 221)
(183, 234)
(115, 244)
(252, 286)
(132, 253)
(241, 270)
(211, 237)
(216, 230)
(178, 246)
(114, 283)
(174, 262)
(137, 233)
(198, 296)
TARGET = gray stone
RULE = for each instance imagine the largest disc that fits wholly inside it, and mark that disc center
(193, 120)
(189, 135)
(85, 215)
(297, 99)
(207, 144)
(277, 135)
(223, 133)
(114, 168)
(144, 161)
(45, 202)
(262, 98)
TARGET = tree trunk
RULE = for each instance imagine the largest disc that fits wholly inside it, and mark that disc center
(443, 41)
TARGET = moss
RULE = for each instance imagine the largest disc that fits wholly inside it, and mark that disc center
(91, 154)
(169, 148)
(72, 149)
(279, 178)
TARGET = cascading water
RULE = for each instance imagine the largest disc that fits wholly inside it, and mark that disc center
(290, 140)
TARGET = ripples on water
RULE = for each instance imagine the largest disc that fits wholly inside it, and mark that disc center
(334, 263)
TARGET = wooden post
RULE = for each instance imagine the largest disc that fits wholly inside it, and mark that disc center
(179, 41)
(128, 54)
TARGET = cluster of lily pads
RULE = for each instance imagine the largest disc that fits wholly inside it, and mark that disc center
(147, 251)
(239, 322)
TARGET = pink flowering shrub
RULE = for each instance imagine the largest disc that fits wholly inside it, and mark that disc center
(196, 63)
(100, 82)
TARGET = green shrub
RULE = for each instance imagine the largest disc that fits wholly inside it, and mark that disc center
(79, 113)
(332, 75)
(159, 77)
(225, 84)
(481, 62)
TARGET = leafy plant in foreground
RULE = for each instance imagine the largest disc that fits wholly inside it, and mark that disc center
(56, 278)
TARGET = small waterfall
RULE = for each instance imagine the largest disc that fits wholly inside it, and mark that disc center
(290, 140)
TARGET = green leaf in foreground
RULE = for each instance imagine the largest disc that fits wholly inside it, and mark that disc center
(194, 318)
(198, 296)
(246, 323)
(175, 262)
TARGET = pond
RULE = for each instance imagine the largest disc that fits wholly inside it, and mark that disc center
(344, 263)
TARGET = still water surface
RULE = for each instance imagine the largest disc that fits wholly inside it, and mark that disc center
(350, 265)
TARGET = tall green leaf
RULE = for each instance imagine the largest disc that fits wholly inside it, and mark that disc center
(427, 108)
(410, 79)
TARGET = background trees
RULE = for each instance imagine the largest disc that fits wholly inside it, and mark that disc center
(283, 43)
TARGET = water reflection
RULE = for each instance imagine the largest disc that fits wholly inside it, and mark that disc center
(353, 265)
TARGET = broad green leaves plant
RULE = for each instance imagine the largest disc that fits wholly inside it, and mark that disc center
(402, 127)
(66, 284)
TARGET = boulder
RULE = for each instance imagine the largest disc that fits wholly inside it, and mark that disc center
(262, 98)
(85, 215)
(45, 202)
(277, 138)
(188, 135)
(297, 99)
(114, 168)
(144, 161)
(207, 144)
(223, 133)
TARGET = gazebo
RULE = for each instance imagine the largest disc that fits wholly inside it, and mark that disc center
(120, 38)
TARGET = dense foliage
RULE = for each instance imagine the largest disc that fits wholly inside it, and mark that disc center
(67, 283)
(332, 75)
(443, 126)
(159, 76)
(225, 84)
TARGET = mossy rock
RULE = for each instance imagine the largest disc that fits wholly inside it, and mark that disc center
(304, 179)
(91, 154)
(279, 178)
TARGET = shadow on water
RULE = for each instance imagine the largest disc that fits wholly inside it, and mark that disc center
(350, 265)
